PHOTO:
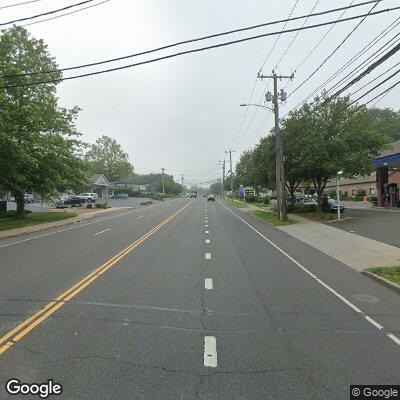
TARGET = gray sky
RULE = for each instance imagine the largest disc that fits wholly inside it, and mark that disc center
(183, 113)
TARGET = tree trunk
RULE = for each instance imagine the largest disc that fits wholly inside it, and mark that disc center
(20, 200)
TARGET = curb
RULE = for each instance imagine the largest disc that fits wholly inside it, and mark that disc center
(382, 280)
(42, 227)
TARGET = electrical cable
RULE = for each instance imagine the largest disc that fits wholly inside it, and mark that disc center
(19, 4)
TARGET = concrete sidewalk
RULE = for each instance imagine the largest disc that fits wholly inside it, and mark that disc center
(353, 250)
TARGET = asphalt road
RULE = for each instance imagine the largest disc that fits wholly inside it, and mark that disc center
(380, 225)
(190, 300)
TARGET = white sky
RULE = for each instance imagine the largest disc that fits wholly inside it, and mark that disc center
(183, 113)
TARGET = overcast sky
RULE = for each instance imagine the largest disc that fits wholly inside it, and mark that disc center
(183, 113)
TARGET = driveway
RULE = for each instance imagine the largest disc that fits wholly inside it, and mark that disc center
(380, 225)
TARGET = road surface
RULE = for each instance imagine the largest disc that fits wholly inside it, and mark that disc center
(189, 299)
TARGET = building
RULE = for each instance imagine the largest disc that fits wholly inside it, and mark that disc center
(99, 184)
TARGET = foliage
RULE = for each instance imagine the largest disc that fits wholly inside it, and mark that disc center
(107, 157)
(215, 188)
(40, 150)
(390, 273)
(90, 205)
(271, 217)
(385, 121)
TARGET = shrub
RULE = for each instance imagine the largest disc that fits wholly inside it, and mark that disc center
(90, 205)
(251, 199)
(331, 193)
(300, 208)
(359, 196)
(372, 199)
(325, 204)
(266, 200)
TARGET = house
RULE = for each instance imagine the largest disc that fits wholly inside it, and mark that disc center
(99, 184)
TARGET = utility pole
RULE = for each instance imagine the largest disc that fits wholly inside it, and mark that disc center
(162, 180)
(231, 170)
(280, 168)
(223, 177)
(182, 178)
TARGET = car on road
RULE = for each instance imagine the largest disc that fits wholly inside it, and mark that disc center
(193, 194)
(211, 197)
(123, 196)
(88, 197)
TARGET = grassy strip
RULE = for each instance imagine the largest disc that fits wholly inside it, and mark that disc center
(34, 218)
(236, 203)
(322, 217)
(389, 273)
(271, 217)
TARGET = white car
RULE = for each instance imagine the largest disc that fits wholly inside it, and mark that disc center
(88, 197)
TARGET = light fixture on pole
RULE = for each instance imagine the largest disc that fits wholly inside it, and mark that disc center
(338, 175)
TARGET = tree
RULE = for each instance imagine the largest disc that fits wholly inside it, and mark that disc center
(385, 121)
(40, 150)
(107, 157)
(330, 136)
(215, 188)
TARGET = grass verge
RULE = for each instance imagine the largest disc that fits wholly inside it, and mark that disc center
(389, 273)
(322, 217)
(271, 217)
(34, 218)
(236, 203)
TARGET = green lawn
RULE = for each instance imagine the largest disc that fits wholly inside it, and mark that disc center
(34, 218)
(390, 273)
(236, 203)
(271, 217)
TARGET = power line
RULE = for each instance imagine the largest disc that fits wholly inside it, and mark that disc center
(375, 87)
(198, 39)
(65, 14)
(194, 51)
(334, 51)
(19, 4)
(46, 13)
(378, 38)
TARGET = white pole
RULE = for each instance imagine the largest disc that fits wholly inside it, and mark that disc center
(337, 196)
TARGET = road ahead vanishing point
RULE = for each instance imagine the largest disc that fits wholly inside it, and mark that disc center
(190, 300)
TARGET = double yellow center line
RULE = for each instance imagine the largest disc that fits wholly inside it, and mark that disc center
(13, 336)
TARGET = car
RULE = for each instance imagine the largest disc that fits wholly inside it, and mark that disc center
(71, 201)
(193, 194)
(88, 197)
(28, 198)
(211, 197)
(333, 206)
(123, 196)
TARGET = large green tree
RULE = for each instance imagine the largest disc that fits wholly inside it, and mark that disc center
(40, 147)
(385, 121)
(107, 157)
(330, 136)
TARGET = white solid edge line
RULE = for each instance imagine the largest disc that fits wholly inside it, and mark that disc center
(208, 256)
(105, 230)
(208, 284)
(351, 305)
(210, 351)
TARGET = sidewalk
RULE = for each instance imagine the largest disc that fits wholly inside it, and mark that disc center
(351, 249)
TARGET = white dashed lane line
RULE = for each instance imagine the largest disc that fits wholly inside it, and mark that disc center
(206, 231)
(208, 284)
(210, 351)
(207, 240)
(99, 233)
(208, 256)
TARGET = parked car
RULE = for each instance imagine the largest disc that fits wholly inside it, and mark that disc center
(28, 198)
(211, 197)
(88, 197)
(123, 196)
(72, 201)
(333, 206)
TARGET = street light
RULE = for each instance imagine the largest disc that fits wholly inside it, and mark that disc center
(337, 193)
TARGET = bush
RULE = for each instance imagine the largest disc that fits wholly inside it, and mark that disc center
(300, 208)
(372, 199)
(360, 194)
(251, 199)
(325, 207)
(331, 193)
(156, 197)
(266, 200)
(11, 214)
(102, 205)
(90, 205)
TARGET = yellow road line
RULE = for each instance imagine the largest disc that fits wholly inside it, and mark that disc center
(34, 320)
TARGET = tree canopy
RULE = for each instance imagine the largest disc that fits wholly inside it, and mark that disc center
(107, 157)
(40, 147)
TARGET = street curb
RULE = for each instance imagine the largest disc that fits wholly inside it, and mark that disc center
(382, 280)
(42, 227)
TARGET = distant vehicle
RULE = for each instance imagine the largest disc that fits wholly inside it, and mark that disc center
(211, 197)
(204, 195)
(28, 198)
(72, 201)
(88, 197)
(193, 194)
(123, 196)
(333, 206)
